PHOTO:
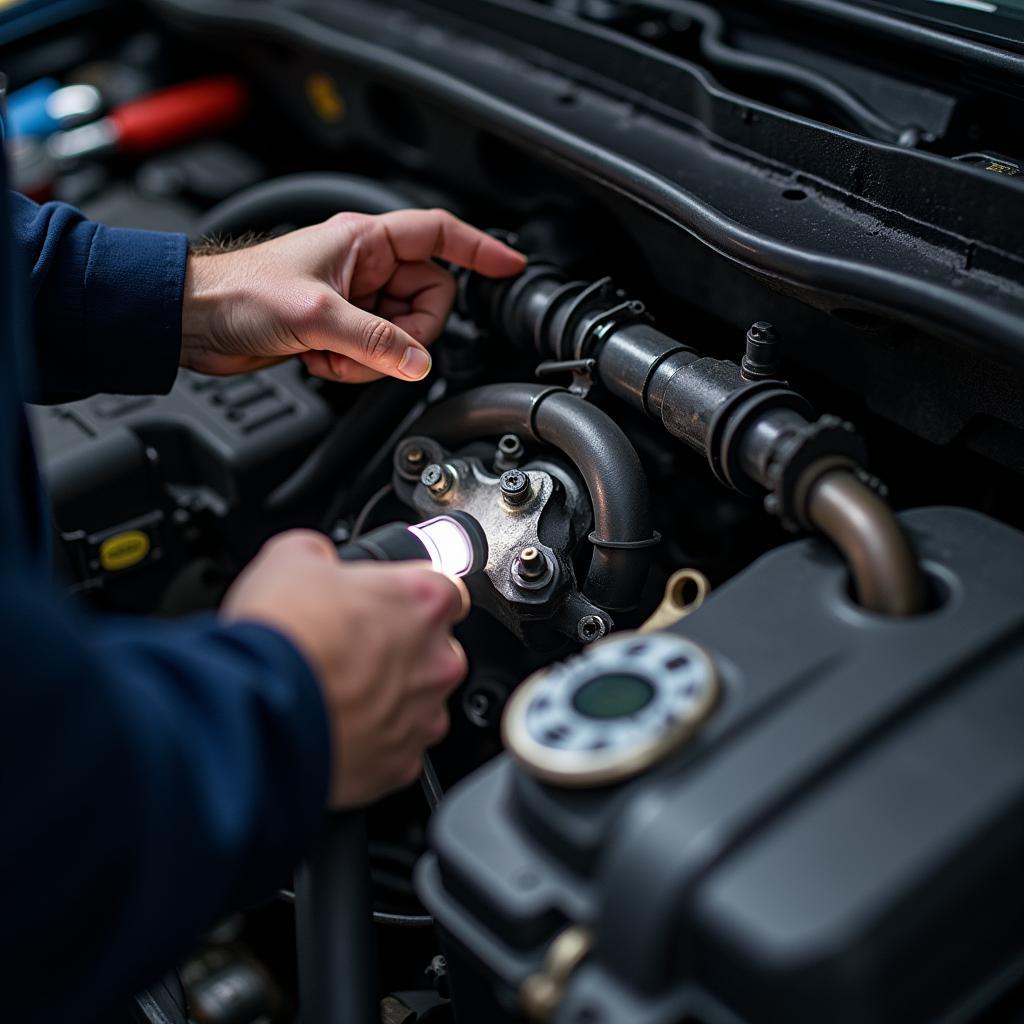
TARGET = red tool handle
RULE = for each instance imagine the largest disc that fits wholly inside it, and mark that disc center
(178, 113)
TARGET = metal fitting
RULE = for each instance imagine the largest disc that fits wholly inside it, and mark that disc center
(510, 452)
(532, 564)
(531, 569)
(761, 359)
(414, 457)
(438, 479)
(515, 487)
(482, 704)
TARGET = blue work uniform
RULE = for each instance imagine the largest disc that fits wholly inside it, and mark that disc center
(152, 775)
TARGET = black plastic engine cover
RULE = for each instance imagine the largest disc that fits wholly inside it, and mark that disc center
(841, 842)
(168, 471)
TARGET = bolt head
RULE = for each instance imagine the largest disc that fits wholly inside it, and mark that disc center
(515, 486)
(590, 628)
(437, 479)
(414, 456)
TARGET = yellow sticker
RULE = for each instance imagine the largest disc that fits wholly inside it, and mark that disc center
(324, 97)
(124, 550)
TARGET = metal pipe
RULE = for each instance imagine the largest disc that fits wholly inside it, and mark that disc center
(886, 576)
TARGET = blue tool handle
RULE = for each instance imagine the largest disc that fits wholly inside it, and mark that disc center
(26, 110)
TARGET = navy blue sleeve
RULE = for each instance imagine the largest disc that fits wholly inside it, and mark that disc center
(106, 302)
(153, 776)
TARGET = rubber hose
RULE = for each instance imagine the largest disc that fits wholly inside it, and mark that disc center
(337, 948)
(378, 406)
(606, 459)
(301, 199)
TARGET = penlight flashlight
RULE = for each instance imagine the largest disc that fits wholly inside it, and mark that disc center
(454, 543)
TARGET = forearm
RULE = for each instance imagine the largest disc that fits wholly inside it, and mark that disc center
(106, 302)
(159, 775)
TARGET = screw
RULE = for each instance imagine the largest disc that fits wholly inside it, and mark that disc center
(515, 486)
(437, 479)
(591, 628)
(414, 457)
(761, 359)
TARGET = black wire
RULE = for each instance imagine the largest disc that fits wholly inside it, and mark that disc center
(368, 509)
(431, 784)
(379, 916)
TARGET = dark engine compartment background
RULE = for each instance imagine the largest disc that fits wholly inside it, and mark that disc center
(671, 146)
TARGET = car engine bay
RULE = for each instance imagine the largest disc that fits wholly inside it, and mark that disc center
(741, 736)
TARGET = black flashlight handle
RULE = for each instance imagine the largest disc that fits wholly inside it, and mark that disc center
(391, 543)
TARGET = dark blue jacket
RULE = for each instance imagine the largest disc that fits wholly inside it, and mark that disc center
(152, 775)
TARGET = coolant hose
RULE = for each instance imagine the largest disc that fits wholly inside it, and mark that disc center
(886, 576)
(337, 946)
(300, 199)
(602, 453)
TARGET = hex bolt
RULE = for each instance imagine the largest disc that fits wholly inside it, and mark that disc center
(591, 628)
(515, 486)
(531, 564)
(761, 359)
(437, 479)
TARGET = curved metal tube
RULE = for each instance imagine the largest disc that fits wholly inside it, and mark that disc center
(886, 575)
(623, 534)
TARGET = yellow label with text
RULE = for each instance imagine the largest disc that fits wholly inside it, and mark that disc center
(124, 550)
(324, 97)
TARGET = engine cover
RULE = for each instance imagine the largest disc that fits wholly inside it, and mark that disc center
(840, 840)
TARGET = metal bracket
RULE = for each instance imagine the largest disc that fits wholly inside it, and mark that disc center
(582, 371)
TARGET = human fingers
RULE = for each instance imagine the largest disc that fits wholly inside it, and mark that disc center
(417, 235)
(370, 340)
(427, 291)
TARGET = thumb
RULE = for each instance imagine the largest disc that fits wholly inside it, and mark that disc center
(374, 342)
(298, 542)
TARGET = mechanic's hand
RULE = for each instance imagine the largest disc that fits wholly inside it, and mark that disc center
(356, 297)
(378, 638)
